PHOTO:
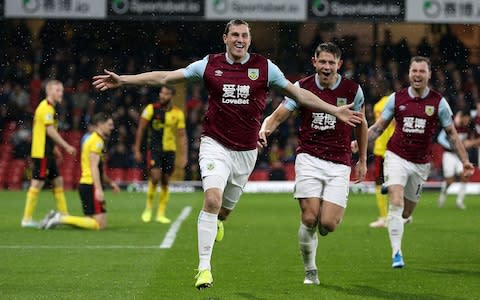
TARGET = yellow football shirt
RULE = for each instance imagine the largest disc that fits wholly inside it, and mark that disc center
(93, 144)
(174, 120)
(380, 146)
(44, 116)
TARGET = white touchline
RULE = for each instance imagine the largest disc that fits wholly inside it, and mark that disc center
(24, 247)
(172, 232)
(166, 243)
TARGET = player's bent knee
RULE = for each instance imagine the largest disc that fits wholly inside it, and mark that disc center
(309, 220)
(330, 225)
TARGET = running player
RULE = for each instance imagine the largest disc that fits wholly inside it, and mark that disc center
(451, 164)
(417, 110)
(237, 82)
(323, 162)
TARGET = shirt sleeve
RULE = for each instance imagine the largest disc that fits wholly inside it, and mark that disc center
(48, 116)
(289, 103)
(445, 114)
(442, 139)
(195, 70)
(96, 146)
(147, 113)
(389, 108)
(275, 76)
(359, 100)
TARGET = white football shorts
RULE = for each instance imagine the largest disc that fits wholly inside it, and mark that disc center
(225, 169)
(408, 174)
(318, 178)
(451, 164)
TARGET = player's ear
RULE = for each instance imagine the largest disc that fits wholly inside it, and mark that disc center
(340, 63)
(314, 60)
(225, 39)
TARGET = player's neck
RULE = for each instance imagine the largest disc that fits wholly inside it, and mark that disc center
(50, 101)
(101, 134)
(418, 92)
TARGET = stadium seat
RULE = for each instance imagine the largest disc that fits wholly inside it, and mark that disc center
(117, 174)
(260, 175)
(134, 175)
(290, 171)
(437, 154)
(476, 176)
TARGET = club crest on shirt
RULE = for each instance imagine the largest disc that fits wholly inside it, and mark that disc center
(429, 110)
(341, 101)
(253, 73)
(210, 166)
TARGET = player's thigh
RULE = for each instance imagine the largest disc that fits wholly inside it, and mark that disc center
(309, 177)
(168, 162)
(414, 186)
(39, 168)
(243, 164)
(378, 174)
(337, 185)
(215, 164)
(53, 173)
(395, 169)
(90, 205)
(449, 164)
(331, 213)
(309, 207)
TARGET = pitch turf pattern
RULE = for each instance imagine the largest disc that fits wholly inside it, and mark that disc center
(258, 258)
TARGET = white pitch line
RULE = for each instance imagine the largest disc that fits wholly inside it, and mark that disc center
(166, 243)
(172, 232)
(76, 247)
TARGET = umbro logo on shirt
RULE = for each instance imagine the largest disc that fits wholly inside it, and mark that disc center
(218, 73)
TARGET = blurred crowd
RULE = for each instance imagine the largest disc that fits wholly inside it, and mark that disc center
(74, 51)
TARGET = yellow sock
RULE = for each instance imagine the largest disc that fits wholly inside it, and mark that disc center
(150, 194)
(382, 201)
(30, 203)
(60, 200)
(162, 204)
(81, 222)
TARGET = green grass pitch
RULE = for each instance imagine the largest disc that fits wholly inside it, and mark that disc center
(258, 258)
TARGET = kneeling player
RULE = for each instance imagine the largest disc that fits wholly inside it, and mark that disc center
(90, 189)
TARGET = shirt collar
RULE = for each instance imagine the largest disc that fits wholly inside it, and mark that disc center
(337, 83)
(244, 60)
(425, 93)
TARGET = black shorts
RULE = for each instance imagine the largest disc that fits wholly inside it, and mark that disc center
(161, 160)
(90, 205)
(44, 168)
(378, 169)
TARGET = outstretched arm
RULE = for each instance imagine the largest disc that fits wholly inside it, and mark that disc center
(307, 98)
(271, 123)
(112, 80)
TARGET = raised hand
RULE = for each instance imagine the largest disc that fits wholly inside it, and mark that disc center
(109, 81)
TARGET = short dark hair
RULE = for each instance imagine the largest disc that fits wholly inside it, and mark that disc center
(100, 117)
(329, 47)
(171, 88)
(419, 59)
(234, 22)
